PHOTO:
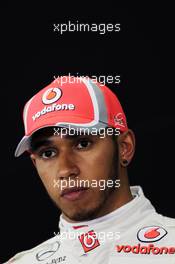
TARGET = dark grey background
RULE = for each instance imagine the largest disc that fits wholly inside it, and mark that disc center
(32, 54)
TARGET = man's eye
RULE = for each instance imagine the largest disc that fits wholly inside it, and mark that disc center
(83, 143)
(47, 154)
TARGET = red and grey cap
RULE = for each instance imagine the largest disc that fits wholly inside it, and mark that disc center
(76, 103)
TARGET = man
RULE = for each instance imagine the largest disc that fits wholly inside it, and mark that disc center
(77, 137)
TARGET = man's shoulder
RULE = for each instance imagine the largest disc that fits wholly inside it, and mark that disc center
(163, 225)
(168, 222)
(151, 221)
(39, 252)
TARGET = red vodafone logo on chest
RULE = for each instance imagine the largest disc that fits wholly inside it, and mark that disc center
(148, 234)
(151, 234)
(146, 250)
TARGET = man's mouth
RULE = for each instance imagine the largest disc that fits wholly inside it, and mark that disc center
(74, 193)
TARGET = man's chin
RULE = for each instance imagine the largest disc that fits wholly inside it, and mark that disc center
(79, 216)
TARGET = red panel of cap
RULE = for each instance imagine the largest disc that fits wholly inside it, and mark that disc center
(59, 103)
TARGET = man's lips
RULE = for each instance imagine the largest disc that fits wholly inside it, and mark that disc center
(73, 193)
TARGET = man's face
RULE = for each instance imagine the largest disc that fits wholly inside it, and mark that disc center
(63, 162)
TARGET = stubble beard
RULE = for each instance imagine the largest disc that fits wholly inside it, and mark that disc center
(87, 214)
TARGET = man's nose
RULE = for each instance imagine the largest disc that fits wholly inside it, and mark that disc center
(67, 166)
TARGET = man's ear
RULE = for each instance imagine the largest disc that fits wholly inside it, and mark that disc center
(126, 143)
(33, 159)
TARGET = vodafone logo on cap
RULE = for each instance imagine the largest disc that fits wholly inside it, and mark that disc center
(151, 234)
(51, 95)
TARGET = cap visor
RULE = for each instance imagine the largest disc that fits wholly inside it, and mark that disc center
(23, 145)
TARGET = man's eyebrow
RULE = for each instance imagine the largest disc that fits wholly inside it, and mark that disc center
(38, 143)
(75, 136)
(35, 145)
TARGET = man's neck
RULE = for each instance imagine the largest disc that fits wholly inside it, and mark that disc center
(117, 199)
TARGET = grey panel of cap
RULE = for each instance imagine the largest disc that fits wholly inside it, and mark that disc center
(103, 116)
